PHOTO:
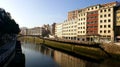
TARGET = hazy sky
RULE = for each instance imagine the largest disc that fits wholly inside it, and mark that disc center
(31, 13)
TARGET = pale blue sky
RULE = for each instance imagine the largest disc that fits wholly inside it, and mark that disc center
(32, 13)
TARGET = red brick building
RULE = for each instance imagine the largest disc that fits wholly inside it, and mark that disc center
(92, 23)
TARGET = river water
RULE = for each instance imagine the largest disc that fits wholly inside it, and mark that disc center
(37, 55)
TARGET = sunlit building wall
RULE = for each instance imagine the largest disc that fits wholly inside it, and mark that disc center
(58, 30)
(34, 31)
(70, 29)
(81, 25)
(72, 15)
(93, 23)
(106, 21)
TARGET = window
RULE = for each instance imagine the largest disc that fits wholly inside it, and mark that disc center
(101, 11)
(83, 27)
(92, 8)
(109, 15)
(109, 26)
(109, 20)
(104, 26)
(100, 31)
(100, 16)
(105, 15)
(104, 31)
(105, 10)
(100, 21)
(95, 22)
(109, 9)
(81, 31)
(81, 23)
(100, 26)
(96, 7)
(104, 20)
(109, 31)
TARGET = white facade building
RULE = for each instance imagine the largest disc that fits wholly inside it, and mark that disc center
(81, 25)
(58, 30)
(106, 22)
(70, 29)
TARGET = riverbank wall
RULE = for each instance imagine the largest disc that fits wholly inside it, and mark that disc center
(19, 59)
(98, 52)
(7, 52)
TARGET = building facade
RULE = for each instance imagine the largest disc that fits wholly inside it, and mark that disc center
(81, 25)
(94, 23)
(70, 29)
(53, 29)
(58, 30)
(117, 26)
(34, 31)
(23, 31)
(106, 21)
(72, 15)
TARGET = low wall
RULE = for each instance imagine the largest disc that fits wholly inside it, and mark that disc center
(6, 50)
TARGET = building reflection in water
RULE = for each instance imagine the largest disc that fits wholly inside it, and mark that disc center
(66, 60)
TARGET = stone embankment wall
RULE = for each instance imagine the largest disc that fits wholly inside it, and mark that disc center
(5, 51)
(111, 48)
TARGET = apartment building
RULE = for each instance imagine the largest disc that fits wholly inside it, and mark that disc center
(23, 31)
(70, 29)
(34, 31)
(93, 23)
(117, 25)
(81, 25)
(53, 29)
(106, 21)
(58, 30)
(72, 14)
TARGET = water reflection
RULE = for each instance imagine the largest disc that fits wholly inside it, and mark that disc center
(66, 60)
(42, 56)
(19, 57)
(35, 58)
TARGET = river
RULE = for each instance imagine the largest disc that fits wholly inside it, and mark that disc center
(37, 55)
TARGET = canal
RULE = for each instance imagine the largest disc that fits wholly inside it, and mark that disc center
(37, 55)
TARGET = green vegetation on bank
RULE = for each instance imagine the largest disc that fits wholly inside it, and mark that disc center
(94, 53)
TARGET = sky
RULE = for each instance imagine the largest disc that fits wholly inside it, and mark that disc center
(33, 13)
